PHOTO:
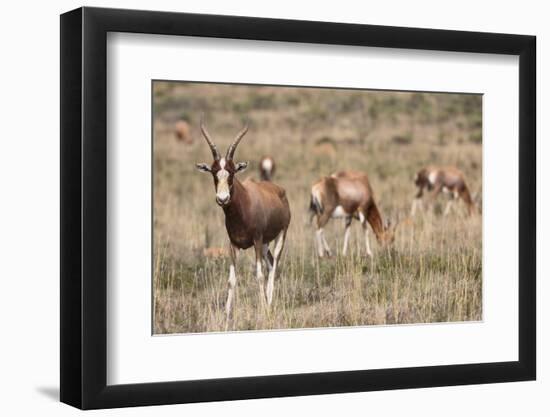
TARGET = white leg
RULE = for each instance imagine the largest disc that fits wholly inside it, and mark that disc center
(346, 236)
(276, 256)
(232, 282)
(259, 272)
(260, 279)
(325, 244)
(265, 251)
(448, 207)
(416, 205)
(319, 241)
(363, 221)
(369, 252)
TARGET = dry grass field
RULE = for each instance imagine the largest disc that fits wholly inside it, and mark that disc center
(433, 271)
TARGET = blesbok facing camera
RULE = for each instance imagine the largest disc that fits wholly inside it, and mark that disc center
(449, 180)
(267, 168)
(348, 195)
(256, 213)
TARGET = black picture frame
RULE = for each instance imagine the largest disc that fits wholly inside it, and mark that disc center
(84, 207)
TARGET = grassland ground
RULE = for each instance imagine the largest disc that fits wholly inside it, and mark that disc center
(432, 273)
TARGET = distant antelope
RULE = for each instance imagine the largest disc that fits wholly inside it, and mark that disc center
(182, 131)
(214, 252)
(267, 168)
(348, 195)
(256, 213)
(449, 180)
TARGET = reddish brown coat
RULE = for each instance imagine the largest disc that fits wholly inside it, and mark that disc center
(256, 213)
(447, 179)
(348, 194)
(182, 130)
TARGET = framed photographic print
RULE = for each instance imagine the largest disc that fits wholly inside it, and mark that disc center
(257, 208)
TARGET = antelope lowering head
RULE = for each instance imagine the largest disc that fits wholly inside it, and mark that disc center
(348, 194)
(387, 236)
(223, 169)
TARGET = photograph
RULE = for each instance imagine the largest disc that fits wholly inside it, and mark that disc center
(300, 207)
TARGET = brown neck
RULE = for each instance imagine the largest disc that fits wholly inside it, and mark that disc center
(375, 220)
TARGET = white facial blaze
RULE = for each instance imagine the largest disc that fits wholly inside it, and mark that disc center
(432, 177)
(267, 164)
(222, 191)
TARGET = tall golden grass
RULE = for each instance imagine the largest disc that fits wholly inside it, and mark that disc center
(432, 273)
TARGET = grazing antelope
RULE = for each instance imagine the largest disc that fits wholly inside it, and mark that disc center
(256, 213)
(267, 168)
(448, 180)
(182, 131)
(348, 195)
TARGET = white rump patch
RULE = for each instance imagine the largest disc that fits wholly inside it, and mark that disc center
(339, 212)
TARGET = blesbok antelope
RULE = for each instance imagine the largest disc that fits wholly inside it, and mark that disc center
(348, 195)
(267, 168)
(449, 180)
(182, 130)
(256, 213)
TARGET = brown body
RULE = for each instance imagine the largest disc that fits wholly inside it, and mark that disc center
(267, 168)
(182, 131)
(256, 213)
(448, 180)
(348, 195)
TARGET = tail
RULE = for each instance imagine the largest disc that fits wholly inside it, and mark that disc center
(315, 205)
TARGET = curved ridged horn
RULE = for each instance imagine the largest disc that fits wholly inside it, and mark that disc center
(236, 141)
(209, 140)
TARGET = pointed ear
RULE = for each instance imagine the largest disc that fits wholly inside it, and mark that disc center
(203, 167)
(241, 166)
